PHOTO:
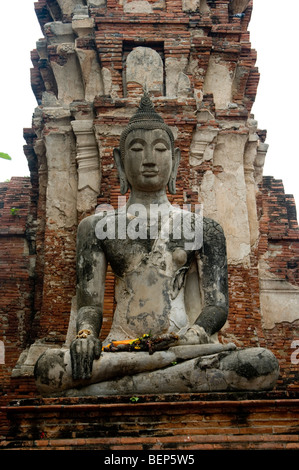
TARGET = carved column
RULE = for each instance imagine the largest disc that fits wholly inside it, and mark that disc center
(87, 54)
(249, 158)
(259, 161)
(64, 61)
(61, 223)
(88, 165)
(202, 148)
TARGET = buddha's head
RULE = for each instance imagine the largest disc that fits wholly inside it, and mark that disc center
(147, 158)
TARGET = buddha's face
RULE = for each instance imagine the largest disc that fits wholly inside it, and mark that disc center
(148, 159)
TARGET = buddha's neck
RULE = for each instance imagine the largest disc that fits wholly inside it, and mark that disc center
(148, 198)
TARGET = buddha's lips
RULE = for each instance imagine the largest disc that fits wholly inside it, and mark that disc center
(149, 173)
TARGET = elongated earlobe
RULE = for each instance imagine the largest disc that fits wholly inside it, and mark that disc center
(174, 171)
(171, 185)
(124, 185)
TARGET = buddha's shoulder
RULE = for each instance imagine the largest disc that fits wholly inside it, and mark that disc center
(212, 230)
(89, 223)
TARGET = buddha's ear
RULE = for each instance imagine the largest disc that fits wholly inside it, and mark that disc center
(124, 186)
(174, 171)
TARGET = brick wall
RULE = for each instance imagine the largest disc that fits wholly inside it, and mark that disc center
(279, 225)
(279, 241)
(17, 258)
(173, 423)
(279, 238)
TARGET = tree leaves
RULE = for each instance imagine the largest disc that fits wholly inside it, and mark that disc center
(5, 156)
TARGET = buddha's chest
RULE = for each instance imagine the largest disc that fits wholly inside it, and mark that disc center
(149, 287)
(147, 256)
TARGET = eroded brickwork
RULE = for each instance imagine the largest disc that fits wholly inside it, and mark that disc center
(279, 258)
(17, 258)
(184, 422)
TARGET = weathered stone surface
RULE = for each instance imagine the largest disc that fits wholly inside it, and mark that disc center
(238, 6)
(83, 26)
(61, 207)
(2, 353)
(279, 300)
(195, 5)
(203, 146)
(138, 6)
(68, 6)
(177, 82)
(91, 73)
(59, 33)
(88, 165)
(68, 90)
(250, 369)
(144, 66)
(219, 81)
(225, 196)
(96, 3)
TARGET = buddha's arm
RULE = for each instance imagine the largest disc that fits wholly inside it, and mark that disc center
(212, 265)
(91, 273)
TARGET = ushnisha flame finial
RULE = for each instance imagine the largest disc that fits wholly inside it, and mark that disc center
(146, 111)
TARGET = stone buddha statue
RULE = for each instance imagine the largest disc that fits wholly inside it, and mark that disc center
(171, 289)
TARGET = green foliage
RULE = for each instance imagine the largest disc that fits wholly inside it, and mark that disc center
(5, 156)
(134, 399)
(14, 211)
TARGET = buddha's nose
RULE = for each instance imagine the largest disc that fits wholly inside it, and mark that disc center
(149, 157)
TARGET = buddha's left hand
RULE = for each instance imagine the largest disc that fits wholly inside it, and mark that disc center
(194, 335)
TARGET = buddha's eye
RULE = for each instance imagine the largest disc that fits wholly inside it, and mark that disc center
(161, 148)
(137, 148)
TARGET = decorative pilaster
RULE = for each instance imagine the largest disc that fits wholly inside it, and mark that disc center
(88, 165)
(262, 150)
(251, 188)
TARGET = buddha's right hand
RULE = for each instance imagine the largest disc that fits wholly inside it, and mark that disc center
(83, 352)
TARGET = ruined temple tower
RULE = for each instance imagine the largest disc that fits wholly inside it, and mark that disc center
(90, 68)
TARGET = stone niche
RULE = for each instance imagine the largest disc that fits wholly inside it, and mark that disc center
(142, 6)
(195, 5)
(279, 300)
(144, 66)
(219, 81)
